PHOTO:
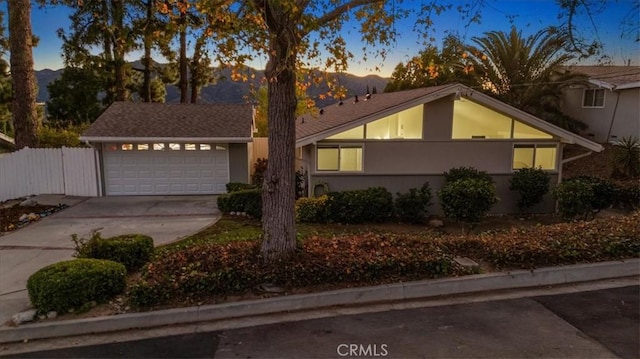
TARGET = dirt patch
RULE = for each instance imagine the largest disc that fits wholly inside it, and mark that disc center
(15, 217)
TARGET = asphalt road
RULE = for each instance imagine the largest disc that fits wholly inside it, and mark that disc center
(593, 324)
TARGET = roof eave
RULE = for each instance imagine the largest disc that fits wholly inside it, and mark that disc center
(97, 139)
(629, 85)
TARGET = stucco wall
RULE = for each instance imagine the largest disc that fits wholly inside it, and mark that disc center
(625, 116)
(238, 162)
(402, 183)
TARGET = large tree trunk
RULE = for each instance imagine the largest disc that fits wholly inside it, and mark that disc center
(196, 70)
(118, 49)
(146, 84)
(278, 191)
(23, 107)
(184, 81)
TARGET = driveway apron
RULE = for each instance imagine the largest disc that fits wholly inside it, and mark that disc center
(23, 252)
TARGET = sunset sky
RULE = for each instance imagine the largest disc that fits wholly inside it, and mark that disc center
(529, 16)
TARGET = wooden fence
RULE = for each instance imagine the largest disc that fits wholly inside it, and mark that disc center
(70, 171)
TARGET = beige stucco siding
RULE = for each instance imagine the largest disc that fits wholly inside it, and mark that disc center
(627, 119)
(426, 157)
(238, 158)
(438, 117)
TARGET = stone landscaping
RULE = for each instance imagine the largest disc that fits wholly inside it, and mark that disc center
(15, 214)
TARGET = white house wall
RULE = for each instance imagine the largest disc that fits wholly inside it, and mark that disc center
(624, 112)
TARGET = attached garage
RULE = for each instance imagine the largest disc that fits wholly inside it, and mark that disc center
(185, 149)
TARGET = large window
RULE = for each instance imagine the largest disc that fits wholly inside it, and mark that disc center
(593, 98)
(339, 158)
(405, 124)
(474, 121)
(526, 156)
(471, 120)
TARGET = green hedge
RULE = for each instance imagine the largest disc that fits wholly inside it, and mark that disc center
(248, 201)
(531, 184)
(238, 186)
(413, 206)
(312, 209)
(467, 200)
(460, 173)
(132, 250)
(72, 284)
(350, 207)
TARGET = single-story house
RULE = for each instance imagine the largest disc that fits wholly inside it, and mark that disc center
(172, 149)
(608, 102)
(400, 140)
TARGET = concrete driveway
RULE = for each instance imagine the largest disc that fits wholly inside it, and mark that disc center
(164, 218)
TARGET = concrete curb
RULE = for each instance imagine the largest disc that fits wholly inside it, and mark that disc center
(366, 295)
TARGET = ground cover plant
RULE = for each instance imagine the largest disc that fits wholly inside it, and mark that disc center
(211, 271)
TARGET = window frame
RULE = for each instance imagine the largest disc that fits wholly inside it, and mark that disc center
(339, 147)
(594, 103)
(535, 147)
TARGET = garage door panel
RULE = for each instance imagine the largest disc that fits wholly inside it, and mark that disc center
(166, 172)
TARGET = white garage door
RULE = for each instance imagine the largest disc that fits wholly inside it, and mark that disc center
(165, 168)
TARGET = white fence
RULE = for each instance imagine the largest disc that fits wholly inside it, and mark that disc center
(70, 171)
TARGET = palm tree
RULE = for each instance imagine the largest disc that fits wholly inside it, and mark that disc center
(523, 72)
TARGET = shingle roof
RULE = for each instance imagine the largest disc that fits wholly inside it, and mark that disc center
(159, 120)
(334, 116)
(614, 75)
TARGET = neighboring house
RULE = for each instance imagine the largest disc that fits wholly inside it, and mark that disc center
(172, 149)
(400, 140)
(7, 143)
(609, 103)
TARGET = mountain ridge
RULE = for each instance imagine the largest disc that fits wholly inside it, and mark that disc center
(228, 91)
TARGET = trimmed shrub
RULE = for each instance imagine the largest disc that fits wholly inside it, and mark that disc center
(238, 186)
(312, 209)
(467, 200)
(627, 195)
(574, 198)
(460, 173)
(248, 201)
(71, 284)
(412, 207)
(132, 250)
(583, 196)
(532, 184)
(604, 191)
(374, 204)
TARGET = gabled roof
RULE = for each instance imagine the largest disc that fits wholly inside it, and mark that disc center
(336, 119)
(131, 121)
(611, 77)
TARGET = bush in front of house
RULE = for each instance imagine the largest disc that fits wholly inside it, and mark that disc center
(248, 201)
(583, 196)
(132, 250)
(71, 284)
(627, 195)
(467, 200)
(226, 269)
(374, 204)
(413, 206)
(312, 209)
(460, 173)
(259, 168)
(238, 186)
(531, 184)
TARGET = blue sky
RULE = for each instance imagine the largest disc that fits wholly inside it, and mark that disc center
(529, 16)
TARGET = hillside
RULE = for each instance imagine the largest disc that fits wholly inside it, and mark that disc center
(228, 91)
